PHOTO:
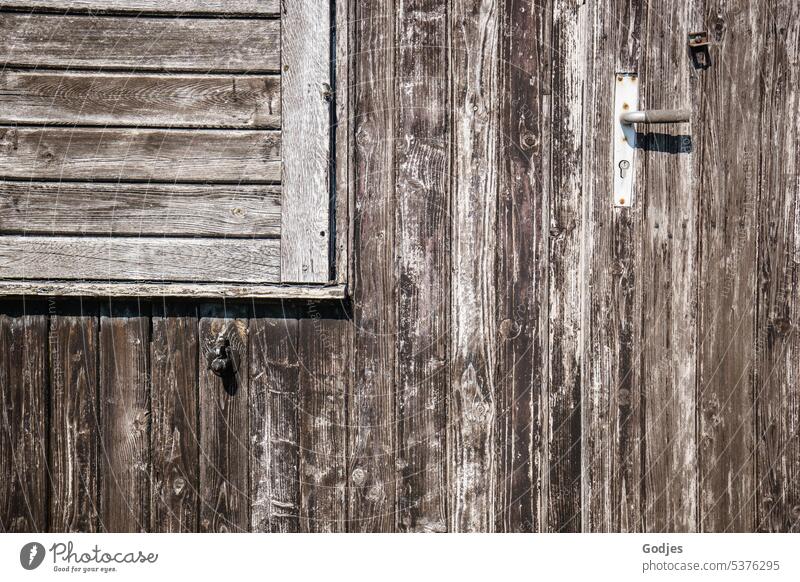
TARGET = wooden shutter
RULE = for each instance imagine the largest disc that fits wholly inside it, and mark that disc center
(173, 146)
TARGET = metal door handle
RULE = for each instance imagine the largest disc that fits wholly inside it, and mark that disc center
(656, 116)
(626, 101)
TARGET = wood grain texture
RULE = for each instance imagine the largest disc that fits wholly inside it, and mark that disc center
(174, 436)
(23, 424)
(163, 259)
(371, 404)
(306, 100)
(474, 31)
(325, 355)
(75, 494)
(147, 44)
(522, 300)
(179, 155)
(224, 436)
(670, 329)
(561, 405)
(422, 219)
(777, 346)
(125, 418)
(184, 290)
(275, 394)
(667, 271)
(343, 134)
(138, 99)
(254, 7)
(728, 231)
(610, 382)
(139, 209)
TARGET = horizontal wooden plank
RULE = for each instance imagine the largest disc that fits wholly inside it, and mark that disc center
(140, 99)
(153, 44)
(134, 259)
(170, 155)
(139, 209)
(250, 7)
(183, 290)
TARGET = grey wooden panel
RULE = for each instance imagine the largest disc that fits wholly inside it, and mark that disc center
(162, 259)
(561, 405)
(174, 441)
(306, 93)
(140, 99)
(224, 436)
(422, 219)
(259, 7)
(777, 353)
(727, 234)
(344, 137)
(371, 479)
(179, 155)
(275, 394)
(23, 424)
(668, 279)
(476, 133)
(125, 418)
(172, 289)
(153, 44)
(139, 209)
(74, 422)
(523, 464)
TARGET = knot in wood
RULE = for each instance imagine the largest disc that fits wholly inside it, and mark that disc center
(359, 476)
(528, 140)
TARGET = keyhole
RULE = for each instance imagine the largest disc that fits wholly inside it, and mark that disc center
(623, 168)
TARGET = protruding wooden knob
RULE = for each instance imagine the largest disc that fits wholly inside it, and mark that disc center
(221, 360)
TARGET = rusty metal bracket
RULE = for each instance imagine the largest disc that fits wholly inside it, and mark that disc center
(698, 39)
(698, 49)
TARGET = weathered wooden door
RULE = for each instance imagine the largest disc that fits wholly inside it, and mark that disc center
(689, 292)
(517, 351)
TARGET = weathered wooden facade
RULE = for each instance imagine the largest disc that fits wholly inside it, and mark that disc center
(516, 353)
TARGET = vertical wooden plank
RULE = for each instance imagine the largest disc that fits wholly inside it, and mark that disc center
(74, 419)
(23, 423)
(522, 260)
(371, 404)
(727, 191)
(274, 427)
(777, 353)
(561, 401)
(344, 137)
(422, 218)
(325, 340)
(174, 430)
(125, 417)
(611, 387)
(306, 94)
(224, 430)
(474, 31)
(666, 207)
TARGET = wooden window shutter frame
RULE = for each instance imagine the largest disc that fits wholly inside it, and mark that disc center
(310, 260)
